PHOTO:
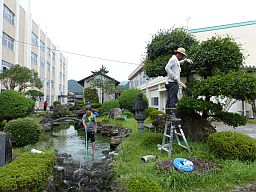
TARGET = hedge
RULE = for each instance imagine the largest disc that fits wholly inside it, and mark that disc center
(29, 172)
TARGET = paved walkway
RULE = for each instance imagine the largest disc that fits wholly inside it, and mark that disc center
(249, 129)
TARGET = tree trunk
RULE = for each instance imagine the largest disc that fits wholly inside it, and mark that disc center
(195, 127)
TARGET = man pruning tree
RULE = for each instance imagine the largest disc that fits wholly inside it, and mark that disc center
(173, 70)
(90, 125)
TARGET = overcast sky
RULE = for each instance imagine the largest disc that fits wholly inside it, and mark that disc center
(121, 29)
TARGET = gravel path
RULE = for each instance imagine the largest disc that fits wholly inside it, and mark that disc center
(249, 129)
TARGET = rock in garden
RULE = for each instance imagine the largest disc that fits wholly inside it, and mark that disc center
(115, 141)
(114, 113)
(106, 129)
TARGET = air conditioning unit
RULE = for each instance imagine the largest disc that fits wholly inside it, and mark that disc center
(5, 148)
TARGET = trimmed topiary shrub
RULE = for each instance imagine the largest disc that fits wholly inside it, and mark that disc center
(152, 139)
(96, 105)
(155, 114)
(29, 172)
(149, 110)
(143, 184)
(13, 105)
(232, 145)
(55, 103)
(128, 97)
(107, 105)
(128, 113)
(24, 131)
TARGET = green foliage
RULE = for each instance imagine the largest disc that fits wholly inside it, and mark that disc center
(143, 184)
(55, 103)
(61, 111)
(29, 172)
(24, 131)
(34, 94)
(14, 105)
(99, 80)
(149, 110)
(128, 113)
(232, 119)
(119, 119)
(105, 114)
(219, 53)
(96, 105)
(128, 98)
(105, 120)
(160, 49)
(155, 114)
(20, 77)
(91, 95)
(232, 145)
(152, 139)
(106, 106)
(2, 124)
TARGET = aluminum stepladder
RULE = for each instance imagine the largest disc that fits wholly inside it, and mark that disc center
(173, 128)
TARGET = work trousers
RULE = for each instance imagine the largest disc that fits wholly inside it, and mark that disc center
(172, 95)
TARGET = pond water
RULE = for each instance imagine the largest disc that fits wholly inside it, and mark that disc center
(65, 138)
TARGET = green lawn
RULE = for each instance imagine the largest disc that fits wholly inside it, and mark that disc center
(251, 121)
(137, 176)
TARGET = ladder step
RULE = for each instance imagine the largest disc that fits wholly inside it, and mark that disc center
(184, 146)
(178, 134)
(167, 135)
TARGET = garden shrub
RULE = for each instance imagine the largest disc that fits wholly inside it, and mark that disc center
(61, 111)
(2, 124)
(107, 105)
(155, 114)
(105, 114)
(128, 98)
(232, 145)
(55, 103)
(24, 131)
(120, 118)
(105, 120)
(152, 139)
(143, 184)
(96, 105)
(149, 110)
(128, 113)
(159, 123)
(13, 105)
(29, 172)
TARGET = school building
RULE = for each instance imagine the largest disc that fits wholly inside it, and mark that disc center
(25, 43)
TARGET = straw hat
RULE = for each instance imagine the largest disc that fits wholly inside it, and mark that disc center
(181, 50)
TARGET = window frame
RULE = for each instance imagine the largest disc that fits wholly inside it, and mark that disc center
(8, 15)
(8, 41)
(34, 58)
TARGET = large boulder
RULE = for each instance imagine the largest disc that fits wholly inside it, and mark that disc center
(114, 113)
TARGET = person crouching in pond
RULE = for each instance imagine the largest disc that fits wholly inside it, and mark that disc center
(90, 126)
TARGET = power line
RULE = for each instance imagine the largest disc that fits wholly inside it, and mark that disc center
(77, 54)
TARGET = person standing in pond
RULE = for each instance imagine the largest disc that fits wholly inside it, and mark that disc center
(90, 126)
(173, 70)
(45, 105)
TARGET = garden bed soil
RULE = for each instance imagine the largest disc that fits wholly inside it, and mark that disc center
(201, 166)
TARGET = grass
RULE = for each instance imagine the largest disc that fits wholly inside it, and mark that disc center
(132, 173)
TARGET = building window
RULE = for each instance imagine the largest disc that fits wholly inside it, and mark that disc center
(52, 82)
(42, 62)
(6, 65)
(53, 70)
(154, 101)
(8, 41)
(33, 58)
(42, 45)
(60, 76)
(48, 52)
(53, 56)
(48, 67)
(34, 38)
(9, 15)
(60, 87)
(60, 64)
(47, 84)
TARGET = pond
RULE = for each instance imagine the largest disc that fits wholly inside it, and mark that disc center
(65, 138)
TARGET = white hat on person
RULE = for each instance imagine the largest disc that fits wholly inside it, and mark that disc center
(181, 50)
